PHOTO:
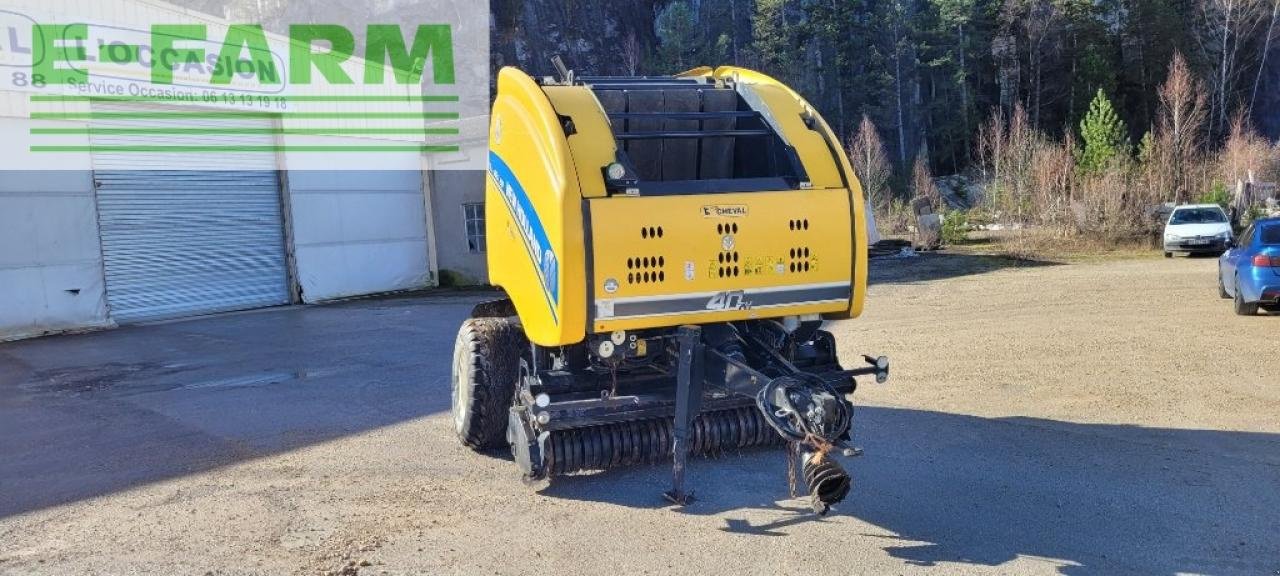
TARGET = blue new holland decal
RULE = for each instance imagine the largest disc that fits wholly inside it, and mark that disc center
(531, 230)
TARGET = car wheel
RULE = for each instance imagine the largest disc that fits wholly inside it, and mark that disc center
(1168, 254)
(1244, 308)
(1222, 291)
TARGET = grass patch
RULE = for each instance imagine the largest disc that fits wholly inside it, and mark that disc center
(1046, 244)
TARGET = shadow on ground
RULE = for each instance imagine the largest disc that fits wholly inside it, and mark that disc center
(968, 490)
(86, 415)
(930, 266)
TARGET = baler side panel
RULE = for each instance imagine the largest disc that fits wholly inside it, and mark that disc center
(591, 145)
(857, 202)
(810, 147)
(533, 214)
(858, 209)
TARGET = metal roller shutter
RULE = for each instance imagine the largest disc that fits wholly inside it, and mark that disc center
(186, 242)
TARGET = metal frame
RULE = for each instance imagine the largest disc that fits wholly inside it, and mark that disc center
(718, 368)
(781, 155)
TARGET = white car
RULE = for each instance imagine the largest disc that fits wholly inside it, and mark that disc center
(1197, 229)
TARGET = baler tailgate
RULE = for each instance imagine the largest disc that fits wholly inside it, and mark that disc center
(719, 257)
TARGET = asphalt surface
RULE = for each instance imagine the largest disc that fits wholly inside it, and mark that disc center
(1045, 419)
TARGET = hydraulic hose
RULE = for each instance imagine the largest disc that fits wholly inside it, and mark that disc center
(809, 413)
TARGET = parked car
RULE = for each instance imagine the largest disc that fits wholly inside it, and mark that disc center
(1197, 229)
(1249, 272)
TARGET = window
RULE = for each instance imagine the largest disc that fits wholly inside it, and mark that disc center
(473, 223)
(1246, 237)
(1198, 216)
(1271, 235)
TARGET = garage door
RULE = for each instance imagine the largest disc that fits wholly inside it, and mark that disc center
(181, 242)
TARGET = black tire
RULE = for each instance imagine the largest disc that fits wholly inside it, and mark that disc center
(486, 366)
(1222, 291)
(1168, 254)
(1244, 308)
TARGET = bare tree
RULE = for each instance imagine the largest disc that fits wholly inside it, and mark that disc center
(1225, 24)
(897, 80)
(1180, 122)
(922, 184)
(1031, 31)
(1266, 49)
(631, 53)
(1039, 24)
(871, 164)
(1246, 155)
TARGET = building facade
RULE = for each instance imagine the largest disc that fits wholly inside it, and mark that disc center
(139, 221)
(95, 249)
(459, 227)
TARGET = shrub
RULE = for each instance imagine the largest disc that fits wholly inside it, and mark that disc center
(1218, 195)
(955, 227)
(1253, 213)
(895, 218)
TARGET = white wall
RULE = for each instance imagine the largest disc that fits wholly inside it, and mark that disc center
(450, 189)
(359, 233)
(50, 261)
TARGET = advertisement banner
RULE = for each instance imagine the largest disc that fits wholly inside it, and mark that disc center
(308, 86)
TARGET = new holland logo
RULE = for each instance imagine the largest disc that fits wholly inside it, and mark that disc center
(724, 211)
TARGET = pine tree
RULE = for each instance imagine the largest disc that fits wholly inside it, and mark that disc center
(1105, 137)
(955, 37)
(778, 42)
(681, 41)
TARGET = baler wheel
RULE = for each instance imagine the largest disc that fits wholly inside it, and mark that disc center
(486, 366)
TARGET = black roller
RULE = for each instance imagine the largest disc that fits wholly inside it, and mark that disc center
(649, 441)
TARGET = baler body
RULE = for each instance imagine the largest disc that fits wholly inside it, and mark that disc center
(668, 249)
(739, 205)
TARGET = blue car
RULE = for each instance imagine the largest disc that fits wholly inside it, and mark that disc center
(1249, 272)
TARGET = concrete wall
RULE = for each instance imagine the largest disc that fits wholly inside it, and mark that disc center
(50, 261)
(449, 191)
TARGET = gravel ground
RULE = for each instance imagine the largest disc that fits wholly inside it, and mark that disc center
(1077, 419)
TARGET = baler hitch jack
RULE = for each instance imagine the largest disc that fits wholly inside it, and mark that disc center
(688, 401)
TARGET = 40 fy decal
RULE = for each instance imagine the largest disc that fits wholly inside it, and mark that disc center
(729, 300)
